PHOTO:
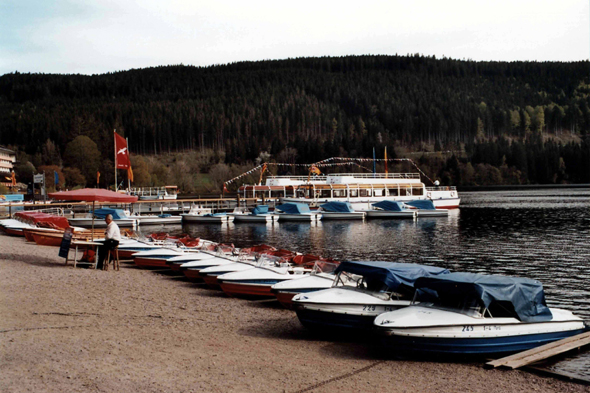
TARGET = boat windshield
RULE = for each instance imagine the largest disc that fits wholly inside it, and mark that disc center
(363, 284)
(266, 261)
(323, 267)
(467, 306)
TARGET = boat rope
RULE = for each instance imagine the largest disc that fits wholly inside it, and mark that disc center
(328, 162)
(340, 377)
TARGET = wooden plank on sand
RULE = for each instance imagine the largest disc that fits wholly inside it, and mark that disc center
(540, 353)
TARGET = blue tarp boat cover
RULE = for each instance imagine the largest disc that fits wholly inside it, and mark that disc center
(294, 208)
(337, 207)
(391, 206)
(526, 295)
(260, 209)
(116, 213)
(425, 204)
(392, 274)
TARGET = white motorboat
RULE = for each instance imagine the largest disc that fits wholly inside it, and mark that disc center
(340, 211)
(426, 208)
(152, 219)
(296, 212)
(391, 209)
(259, 214)
(198, 214)
(360, 292)
(321, 277)
(468, 313)
(97, 217)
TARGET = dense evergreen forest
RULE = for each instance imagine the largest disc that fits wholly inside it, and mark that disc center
(518, 123)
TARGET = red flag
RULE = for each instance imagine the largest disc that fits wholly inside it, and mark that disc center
(225, 188)
(121, 153)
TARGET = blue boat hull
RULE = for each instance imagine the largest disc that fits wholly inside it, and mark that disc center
(474, 345)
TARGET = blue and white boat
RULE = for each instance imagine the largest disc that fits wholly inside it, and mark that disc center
(296, 212)
(466, 313)
(390, 209)
(97, 217)
(340, 211)
(259, 214)
(360, 292)
(426, 208)
(198, 214)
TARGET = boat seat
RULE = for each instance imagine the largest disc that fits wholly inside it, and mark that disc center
(115, 255)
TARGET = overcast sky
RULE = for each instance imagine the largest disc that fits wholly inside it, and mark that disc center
(98, 36)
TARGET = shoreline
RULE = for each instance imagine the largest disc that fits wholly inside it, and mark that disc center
(80, 330)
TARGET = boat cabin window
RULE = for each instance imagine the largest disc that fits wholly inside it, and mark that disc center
(501, 310)
(417, 191)
(325, 193)
(377, 193)
(364, 192)
(339, 193)
(354, 193)
(393, 192)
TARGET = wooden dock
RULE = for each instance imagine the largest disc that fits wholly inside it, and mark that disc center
(541, 353)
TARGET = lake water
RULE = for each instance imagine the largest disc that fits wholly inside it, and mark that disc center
(539, 234)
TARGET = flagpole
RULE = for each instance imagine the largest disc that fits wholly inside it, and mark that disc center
(128, 155)
(115, 142)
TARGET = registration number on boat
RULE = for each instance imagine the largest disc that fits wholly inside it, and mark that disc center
(468, 328)
(492, 328)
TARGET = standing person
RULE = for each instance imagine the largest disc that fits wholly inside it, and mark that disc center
(112, 236)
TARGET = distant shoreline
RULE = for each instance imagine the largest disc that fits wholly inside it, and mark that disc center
(521, 187)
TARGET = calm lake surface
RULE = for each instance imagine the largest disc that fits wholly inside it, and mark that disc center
(539, 234)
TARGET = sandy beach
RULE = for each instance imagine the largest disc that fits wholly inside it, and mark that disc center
(78, 330)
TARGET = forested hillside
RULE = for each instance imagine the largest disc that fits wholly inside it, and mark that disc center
(530, 121)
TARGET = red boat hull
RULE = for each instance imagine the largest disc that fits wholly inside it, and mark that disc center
(150, 262)
(14, 232)
(192, 275)
(47, 240)
(246, 290)
(211, 281)
(286, 299)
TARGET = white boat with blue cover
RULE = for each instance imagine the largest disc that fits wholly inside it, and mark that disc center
(360, 292)
(426, 208)
(340, 211)
(296, 212)
(466, 313)
(119, 216)
(391, 209)
(259, 214)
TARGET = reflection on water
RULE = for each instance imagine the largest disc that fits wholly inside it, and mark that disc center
(540, 234)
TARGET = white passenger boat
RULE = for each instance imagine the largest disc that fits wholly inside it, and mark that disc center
(470, 313)
(339, 211)
(359, 189)
(155, 193)
(296, 212)
(361, 291)
(391, 209)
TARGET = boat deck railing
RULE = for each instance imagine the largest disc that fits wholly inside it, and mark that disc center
(353, 175)
(442, 188)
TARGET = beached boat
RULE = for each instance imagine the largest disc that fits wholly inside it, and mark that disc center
(361, 291)
(296, 212)
(470, 313)
(321, 277)
(339, 211)
(391, 209)
(259, 279)
(210, 273)
(359, 189)
(159, 257)
(426, 208)
(259, 214)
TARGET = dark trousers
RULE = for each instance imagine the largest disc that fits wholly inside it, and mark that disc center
(103, 250)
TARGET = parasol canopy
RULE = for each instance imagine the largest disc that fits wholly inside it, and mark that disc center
(93, 195)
